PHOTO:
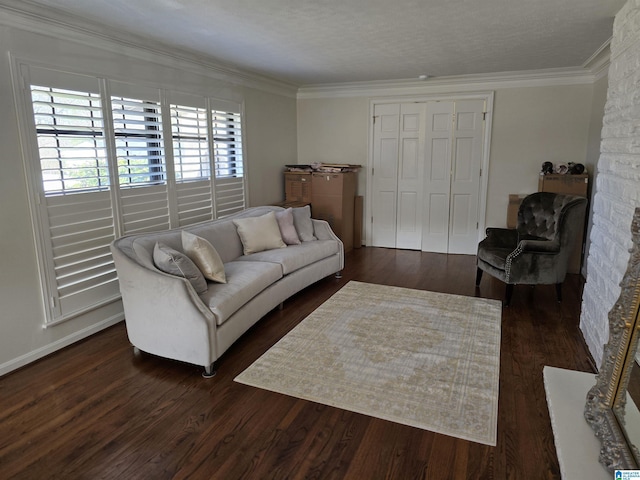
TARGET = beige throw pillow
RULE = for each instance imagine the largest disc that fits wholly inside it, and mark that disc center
(259, 233)
(205, 256)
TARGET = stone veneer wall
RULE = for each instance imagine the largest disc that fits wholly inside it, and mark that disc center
(618, 181)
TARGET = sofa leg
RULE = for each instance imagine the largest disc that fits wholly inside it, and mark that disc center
(559, 292)
(339, 274)
(508, 293)
(281, 306)
(210, 370)
(478, 277)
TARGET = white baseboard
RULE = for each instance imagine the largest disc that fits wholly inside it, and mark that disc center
(34, 355)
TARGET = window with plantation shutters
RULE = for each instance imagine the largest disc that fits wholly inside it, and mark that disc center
(228, 162)
(71, 140)
(190, 145)
(142, 170)
(75, 208)
(106, 158)
(192, 164)
(137, 126)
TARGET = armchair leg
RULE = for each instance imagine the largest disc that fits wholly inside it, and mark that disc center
(559, 292)
(478, 277)
(508, 293)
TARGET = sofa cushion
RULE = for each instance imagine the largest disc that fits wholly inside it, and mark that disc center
(259, 233)
(303, 223)
(295, 257)
(287, 228)
(223, 235)
(206, 258)
(176, 263)
(245, 280)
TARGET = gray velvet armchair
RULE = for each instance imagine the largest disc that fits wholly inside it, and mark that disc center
(537, 251)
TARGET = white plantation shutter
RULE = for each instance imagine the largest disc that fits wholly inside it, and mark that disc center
(192, 164)
(142, 170)
(228, 162)
(81, 229)
(71, 140)
(75, 212)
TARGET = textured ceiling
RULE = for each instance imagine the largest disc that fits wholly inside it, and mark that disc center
(329, 41)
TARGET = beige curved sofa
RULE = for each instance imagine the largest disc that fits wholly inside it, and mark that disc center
(164, 314)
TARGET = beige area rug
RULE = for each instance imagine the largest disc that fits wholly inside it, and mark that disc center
(425, 359)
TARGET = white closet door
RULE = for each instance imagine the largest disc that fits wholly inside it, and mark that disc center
(437, 176)
(426, 175)
(465, 176)
(410, 172)
(385, 174)
(398, 160)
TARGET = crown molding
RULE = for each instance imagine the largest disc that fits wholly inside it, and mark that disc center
(24, 15)
(458, 83)
(599, 62)
(593, 69)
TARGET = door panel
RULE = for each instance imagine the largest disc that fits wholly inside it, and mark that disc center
(409, 231)
(437, 221)
(460, 206)
(438, 161)
(410, 166)
(465, 178)
(385, 175)
(463, 164)
(437, 179)
(407, 212)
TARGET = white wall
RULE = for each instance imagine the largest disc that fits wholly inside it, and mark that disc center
(618, 181)
(270, 137)
(530, 125)
(334, 130)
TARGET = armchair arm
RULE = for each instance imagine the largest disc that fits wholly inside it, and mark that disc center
(539, 246)
(535, 262)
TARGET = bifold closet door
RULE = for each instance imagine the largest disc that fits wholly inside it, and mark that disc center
(398, 163)
(453, 163)
(437, 184)
(427, 159)
(468, 133)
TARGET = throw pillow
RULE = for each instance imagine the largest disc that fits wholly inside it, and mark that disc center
(175, 263)
(303, 224)
(259, 233)
(287, 229)
(205, 256)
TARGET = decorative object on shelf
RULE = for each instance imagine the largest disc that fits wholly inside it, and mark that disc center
(610, 409)
(563, 169)
(576, 168)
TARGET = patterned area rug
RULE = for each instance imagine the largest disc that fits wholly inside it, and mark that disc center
(425, 359)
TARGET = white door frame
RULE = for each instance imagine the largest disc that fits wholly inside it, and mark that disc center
(487, 96)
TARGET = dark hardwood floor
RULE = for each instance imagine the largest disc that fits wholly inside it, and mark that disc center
(96, 410)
